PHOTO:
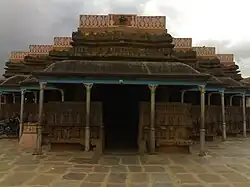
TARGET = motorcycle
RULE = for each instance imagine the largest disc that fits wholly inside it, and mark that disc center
(10, 127)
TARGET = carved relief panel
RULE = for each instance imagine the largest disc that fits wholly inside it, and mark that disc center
(17, 55)
(112, 20)
(40, 49)
(120, 51)
(172, 121)
(204, 51)
(182, 42)
(94, 21)
(62, 41)
(226, 59)
(151, 22)
(66, 121)
(122, 20)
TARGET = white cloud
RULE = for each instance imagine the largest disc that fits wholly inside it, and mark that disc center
(223, 23)
(209, 20)
(203, 20)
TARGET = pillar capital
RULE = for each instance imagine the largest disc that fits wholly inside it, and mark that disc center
(42, 85)
(152, 87)
(202, 88)
(88, 86)
(23, 91)
(222, 91)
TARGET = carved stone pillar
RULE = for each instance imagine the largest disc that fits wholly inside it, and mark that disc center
(35, 97)
(87, 127)
(62, 95)
(231, 100)
(202, 121)
(14, 98)
(152, 118)
(21, 113)
(248, 102)
(224, 130)
(40, 119)
(183, 96)
(1, 95)
(244, 114)
(209, 99)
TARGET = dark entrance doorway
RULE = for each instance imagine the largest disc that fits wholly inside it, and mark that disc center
(120, 117)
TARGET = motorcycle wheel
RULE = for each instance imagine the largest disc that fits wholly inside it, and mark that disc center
(7, 130)
(1, 130)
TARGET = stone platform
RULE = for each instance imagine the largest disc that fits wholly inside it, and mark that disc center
(226, 165)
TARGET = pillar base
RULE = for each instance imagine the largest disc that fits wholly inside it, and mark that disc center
(87, 139)
(202, 153)
(38, 153)
(202, 140)
(224, 135)
(152, 141)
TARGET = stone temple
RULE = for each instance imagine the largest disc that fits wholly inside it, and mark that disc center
(123, 83)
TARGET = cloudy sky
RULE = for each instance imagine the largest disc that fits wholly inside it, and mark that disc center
(209, 22)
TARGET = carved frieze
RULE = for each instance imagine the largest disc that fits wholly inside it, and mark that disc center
(122, 36)
(94, 21)
(40, 49)
(62, 41)
(113, 20)
(120, 51)
(151, 22)
(182, 42)
(185, 54)
(204, 51)
(226, 59)
(17, 55)
(122, 20)
(172, 121)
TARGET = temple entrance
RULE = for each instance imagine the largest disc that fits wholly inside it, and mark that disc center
(121, 117)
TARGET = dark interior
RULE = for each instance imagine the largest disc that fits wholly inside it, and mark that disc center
(120, 116)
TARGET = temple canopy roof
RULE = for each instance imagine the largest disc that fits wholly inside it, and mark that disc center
(121, 67)
(13, 81)
(213, 80)
(230, 82)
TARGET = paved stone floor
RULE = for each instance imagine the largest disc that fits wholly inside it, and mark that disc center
(226, 165)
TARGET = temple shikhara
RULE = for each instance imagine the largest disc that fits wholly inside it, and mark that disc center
(122, 82)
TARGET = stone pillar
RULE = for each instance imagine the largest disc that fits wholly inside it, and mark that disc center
(1, 106)
(152, 118)
(244, 114)
(248, 102)
(87, 127)
(209, 99)
(224, 130)
(62, 95)
(14, 98)
(231, 100)
(202, 121)
(35, 97)
(101, 143)
(40, 119)
(21, 113)
(183, 96)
